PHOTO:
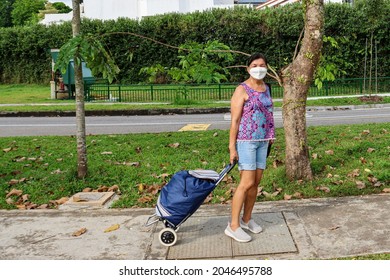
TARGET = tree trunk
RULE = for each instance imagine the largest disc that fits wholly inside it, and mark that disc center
(297, 78)
(82, 165)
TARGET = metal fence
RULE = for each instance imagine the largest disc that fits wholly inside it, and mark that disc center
(102, 91)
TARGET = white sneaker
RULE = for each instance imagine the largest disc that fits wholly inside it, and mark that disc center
(251, 225)
(238, 235)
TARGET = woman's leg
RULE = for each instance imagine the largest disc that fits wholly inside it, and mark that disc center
(251, 197)
(247, 180)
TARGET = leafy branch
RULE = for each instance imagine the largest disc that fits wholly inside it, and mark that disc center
(89, 49)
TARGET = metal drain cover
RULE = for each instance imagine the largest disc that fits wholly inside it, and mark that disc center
(203, 237)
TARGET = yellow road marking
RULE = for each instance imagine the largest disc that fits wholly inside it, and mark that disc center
(195, 127)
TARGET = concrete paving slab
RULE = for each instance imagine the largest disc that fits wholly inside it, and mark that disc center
(201, 238)
(29, 235)
(93, 200)
(274, 239)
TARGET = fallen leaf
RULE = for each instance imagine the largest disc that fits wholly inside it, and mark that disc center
(9, 201)
(363, 160)
(13, 182)
(6, 150)
(366, 132)
(266, 194)
(354, 173)
(329, 152)
(208, 198)
(154, 189)
(386, 190)
(338, 182)
(138, 150)
(14, 192)
(372, 179)
(174, 145)
(87, 190)
(30, 205)
(360, 185)
(77, 198)
(215, 134)
(314, 156)
(25, 197)
(334, 227)
(112, 228)
(79, 232)
(58, 171)
(114, 188)
(163, 176)
(141, 187)
(276, 163)
(145, 199)
(106, 153)
(322, 188)
(62, 200)
(287, 197)
(367, 170)
(136, 163)
(297, 195)
(370, 150)
(102, 189)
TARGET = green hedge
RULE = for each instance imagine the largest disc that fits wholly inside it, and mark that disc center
(24, 55)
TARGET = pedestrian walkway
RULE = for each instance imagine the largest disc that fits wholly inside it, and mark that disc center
(325, 228)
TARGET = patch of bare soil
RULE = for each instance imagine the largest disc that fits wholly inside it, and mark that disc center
(372, 98)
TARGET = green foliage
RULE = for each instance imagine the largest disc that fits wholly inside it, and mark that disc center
(5, 13)
(26, 11)
(90, 50)
(199, 63)
(24, 56)
(330, 66)
(61, 7)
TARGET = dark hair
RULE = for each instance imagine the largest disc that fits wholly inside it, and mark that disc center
(256, 56)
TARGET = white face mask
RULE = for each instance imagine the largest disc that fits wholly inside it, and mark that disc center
(258, 73)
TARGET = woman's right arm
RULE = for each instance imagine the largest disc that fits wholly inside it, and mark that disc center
(236, 106)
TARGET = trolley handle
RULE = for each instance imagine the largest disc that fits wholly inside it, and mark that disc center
(225, 171)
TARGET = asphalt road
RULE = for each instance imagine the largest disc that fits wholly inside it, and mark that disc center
(37, 126)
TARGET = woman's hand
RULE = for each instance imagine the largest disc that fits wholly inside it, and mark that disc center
(233, 156)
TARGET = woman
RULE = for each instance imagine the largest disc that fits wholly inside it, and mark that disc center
(251, 131)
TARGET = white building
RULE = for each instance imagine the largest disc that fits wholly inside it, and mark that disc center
(137, 9)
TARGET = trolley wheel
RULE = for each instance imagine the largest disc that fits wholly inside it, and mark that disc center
(168, 237)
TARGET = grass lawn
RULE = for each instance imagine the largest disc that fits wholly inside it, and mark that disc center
(346, 160)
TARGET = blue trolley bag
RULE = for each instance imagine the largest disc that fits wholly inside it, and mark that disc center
(182, 196)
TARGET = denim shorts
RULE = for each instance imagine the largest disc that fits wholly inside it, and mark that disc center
(252, 155)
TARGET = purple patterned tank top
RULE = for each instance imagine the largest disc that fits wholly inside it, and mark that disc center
(257, 121)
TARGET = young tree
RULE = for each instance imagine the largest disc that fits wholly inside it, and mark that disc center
(82, 166)
(296, 80)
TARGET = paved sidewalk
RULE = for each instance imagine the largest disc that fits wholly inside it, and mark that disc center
(298, 229)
